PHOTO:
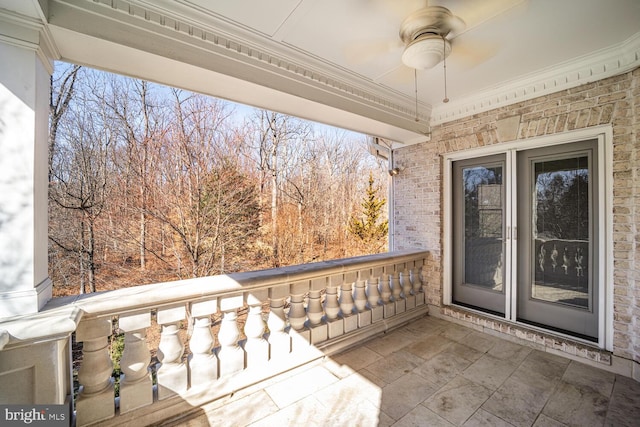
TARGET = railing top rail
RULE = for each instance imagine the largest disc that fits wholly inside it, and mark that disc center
(145, 297)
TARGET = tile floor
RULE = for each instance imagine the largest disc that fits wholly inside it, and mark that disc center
(435, 373)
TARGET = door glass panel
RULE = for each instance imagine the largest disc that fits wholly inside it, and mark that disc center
(561, 228)
(483, 230)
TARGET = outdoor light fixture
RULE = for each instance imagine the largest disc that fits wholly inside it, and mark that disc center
(426, 51)
(394, 171)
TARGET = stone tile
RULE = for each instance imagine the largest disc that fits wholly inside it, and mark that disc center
(545, 364)
(426, 326)
(489, 371)
(517, 402)
(458, 400)
(539, 372)
(429, 347)
(582, 375)
(442, 368)
(347, 413)
(307, 412)
(353, 389)
(545, 421)
(300, 386)
(577, 406)
(464, 351)
(420, 417)
(391, 342)
(455, 332)
(403, 395)
(479, 341)
(482, 418)
(510, 351)
(392, 367)
(624, 407)
(370, 376)
(358, 358)
(237, 413)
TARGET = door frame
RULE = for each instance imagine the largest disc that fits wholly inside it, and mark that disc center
(604, 135)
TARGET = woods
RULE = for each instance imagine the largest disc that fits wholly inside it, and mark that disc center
(149, 183)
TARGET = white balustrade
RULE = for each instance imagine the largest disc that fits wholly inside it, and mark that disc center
(332, 305)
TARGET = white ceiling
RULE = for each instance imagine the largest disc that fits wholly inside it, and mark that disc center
(320, 58)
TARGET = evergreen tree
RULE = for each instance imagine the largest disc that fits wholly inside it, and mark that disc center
(368, 228)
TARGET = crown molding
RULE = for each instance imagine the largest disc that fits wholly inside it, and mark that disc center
(28, 33)
(605, 63)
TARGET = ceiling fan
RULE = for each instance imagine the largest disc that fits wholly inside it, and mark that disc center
(427, 35)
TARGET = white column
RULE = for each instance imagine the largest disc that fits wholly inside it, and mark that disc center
(335, 324)
(24, 113)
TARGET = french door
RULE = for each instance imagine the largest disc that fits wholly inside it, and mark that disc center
(526, 244)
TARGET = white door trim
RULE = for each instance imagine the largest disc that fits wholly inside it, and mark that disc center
(604, 134)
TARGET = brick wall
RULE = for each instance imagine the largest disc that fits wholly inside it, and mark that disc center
(616, 101)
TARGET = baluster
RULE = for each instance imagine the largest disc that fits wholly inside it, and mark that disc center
(256, 347)
(136, 386)
(416, 281)
(389, 308)
(231, 355)
(346, 307)
(315, 314)
(397, 291)
(373, 297)
(203, 366)
(407, 288)
(172, 371)
(335, 324)
(297, 314)
(300, 334)
(96, 398)
(279, 340)
(360, 301)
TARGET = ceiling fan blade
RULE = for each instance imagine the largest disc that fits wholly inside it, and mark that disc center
(467, 54)
(361, 52)
(398, 75)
